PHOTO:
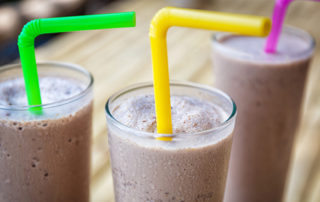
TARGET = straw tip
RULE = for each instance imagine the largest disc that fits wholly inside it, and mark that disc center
(165, 138)
(269, 50)
(129, 17)
(36, 110)
(266, 27)
(134, 21)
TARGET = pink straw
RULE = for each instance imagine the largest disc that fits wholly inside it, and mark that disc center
(279, 13)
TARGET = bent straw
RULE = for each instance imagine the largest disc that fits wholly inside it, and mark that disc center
(279, 13)
(37, 27)
(167, 17)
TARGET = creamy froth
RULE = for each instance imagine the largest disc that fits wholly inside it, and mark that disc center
(53, 89)
(188, 114)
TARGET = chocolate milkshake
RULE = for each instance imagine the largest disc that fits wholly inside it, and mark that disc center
(268, 90)
(45, 157)
(192, 167)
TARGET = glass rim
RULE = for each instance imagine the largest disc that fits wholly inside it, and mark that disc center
(143, 85)
(71, 99)
(286, 28)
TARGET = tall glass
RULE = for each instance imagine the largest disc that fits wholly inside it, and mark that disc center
(268, 90)
(47, 157)
(191, 167)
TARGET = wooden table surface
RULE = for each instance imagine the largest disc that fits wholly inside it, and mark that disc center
(121, 57)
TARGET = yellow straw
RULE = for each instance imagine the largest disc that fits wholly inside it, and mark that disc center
(167, 17)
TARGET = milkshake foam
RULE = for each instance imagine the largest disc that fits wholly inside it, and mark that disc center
(189, 115)
(291, 47)
(53, 89)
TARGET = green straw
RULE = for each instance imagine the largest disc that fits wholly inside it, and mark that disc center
(37, 27)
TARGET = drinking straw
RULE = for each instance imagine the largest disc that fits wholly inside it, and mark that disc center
(169, 16)
(57, 25)
(279, 13)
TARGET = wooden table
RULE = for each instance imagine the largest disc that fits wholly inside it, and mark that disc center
(120, 57)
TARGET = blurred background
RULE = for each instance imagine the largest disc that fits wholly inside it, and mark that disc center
(125, 54)
(15, 13)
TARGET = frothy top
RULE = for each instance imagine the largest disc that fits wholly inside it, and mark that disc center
(53, 89)
(293, 45)
(188, 114)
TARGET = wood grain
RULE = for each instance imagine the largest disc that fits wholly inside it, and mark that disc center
(120, 57)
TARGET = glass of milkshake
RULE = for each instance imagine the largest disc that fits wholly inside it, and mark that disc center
(268, 90)
(46, 157)
(191, 167)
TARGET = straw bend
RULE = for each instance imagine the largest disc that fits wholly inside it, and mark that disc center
(29, 32)
(160, 23)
